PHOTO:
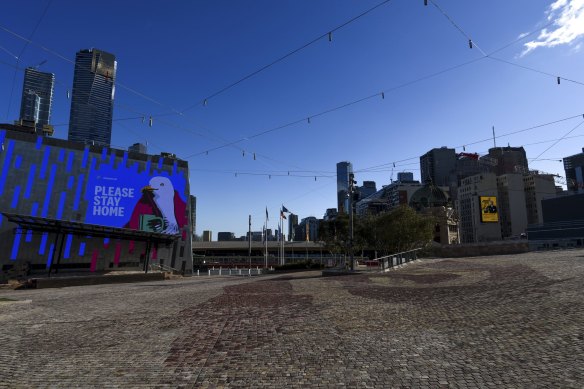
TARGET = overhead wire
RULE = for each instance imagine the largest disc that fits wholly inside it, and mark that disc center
(327, 35)
(36, 26)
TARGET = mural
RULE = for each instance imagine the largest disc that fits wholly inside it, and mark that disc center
(123, 197)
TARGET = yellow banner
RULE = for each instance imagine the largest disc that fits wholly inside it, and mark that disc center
(489, 211)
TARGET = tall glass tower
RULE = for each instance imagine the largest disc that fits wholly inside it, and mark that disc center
(37, 97)
(343, 171)
(92, 101)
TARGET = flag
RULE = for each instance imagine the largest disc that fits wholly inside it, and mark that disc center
(267, 218)
(284, 209)
(282, 215)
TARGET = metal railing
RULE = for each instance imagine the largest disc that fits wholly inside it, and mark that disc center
(389, 261)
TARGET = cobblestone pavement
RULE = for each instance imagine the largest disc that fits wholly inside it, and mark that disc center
(504, 321)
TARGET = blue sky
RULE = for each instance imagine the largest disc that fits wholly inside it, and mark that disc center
(173, 55)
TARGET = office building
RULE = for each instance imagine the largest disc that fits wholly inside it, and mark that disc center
(37, 99)
(367, 189)
(138, 148)
(207, 236)
(574, 167)
(436, 165)
(538, 187)
(92, 100)
(507, 160)
(292, 224)
(307, 230)
(474, 225)
(405, 177)
(344, 170)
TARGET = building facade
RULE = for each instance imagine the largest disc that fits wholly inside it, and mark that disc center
(574, 167)
(473, 226)
(37, 98)
(344, 169)
(138, 148)
(508, 160)
(207, 236)
(99, 189)
(436, 165)
(92, 100)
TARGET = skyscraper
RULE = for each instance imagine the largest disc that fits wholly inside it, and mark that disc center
(343, 171)
(574, 167)
(92, 101)
(436, 165)
(37, 97)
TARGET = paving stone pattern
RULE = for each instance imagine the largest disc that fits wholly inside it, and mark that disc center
(487, 322)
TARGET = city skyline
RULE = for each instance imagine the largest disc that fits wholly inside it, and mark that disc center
(379, 92)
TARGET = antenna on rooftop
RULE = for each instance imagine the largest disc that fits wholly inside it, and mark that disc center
(494, 140)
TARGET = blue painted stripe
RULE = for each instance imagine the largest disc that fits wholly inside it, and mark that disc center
(30, 181)
(160, 160)
(6, 167)
(61, 205)
(15, 197)
(39, 142)
(16, 243)
(43, 246)
(35, 209)
(106, 241)
(45, 211)
(104, 153)
(70, 182)
(70, 158)
(78, 193)
(81, 249)
(18, 161)
(28, 236)
(68, 242)
(2, 135)
(148, 166)
(92, 164)
(85, 156)
(174, 167)
(125, 159)
(45, 163)
(1, 220)
(50, 257)
(61, 155)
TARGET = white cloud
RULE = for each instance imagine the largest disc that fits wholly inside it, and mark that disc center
(568, 25)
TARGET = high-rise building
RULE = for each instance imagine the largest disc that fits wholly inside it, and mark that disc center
(292, 224)
(92, 101)
(37, 98)
(508, 160)
(225, 236)
(207, 236)
(436, 165)
(344, 169)
(574, 167)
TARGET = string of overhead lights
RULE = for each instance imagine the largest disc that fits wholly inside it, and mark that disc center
(308, 119)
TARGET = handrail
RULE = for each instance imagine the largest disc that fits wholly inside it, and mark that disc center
(397, 259)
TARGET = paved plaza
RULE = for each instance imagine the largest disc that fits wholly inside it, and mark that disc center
(489, 322)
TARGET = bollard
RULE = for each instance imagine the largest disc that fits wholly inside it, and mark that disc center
(219, 270)
(229, 271)
(197, 272)
(209, 272)
(239, 271)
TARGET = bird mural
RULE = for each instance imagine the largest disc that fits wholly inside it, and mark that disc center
(159, 209)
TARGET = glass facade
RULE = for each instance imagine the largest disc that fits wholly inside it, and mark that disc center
(37, 97)
(92, 101)
(343, 171)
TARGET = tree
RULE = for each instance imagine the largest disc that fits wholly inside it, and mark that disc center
(402, 229)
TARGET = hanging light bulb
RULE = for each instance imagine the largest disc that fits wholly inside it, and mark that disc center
(330, 36)
(558, 80)
(425, 2)
(235, 174)
(314, 178)
(243, 153)
(150, 121)
(470, 43)
(143, 118)
(68, 94)
(205, 102)
(308, 120)
(382, 95)
(254, 157)
(463, 148)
